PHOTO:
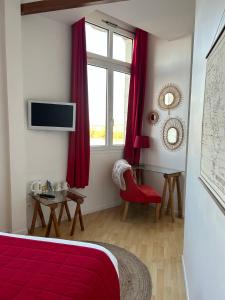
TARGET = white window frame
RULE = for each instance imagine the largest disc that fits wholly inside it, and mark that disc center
(110, 65)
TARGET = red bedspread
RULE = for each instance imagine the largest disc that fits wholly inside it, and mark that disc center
(36, 270)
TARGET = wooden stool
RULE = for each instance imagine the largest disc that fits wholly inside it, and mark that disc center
(61, 199)
(78, 199)
(64, 204)
(52, 217)
(172, 180)
(37, 211)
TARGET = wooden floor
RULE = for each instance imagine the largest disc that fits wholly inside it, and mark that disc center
(158, 245)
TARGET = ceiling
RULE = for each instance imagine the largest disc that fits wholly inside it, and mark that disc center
(170, 19)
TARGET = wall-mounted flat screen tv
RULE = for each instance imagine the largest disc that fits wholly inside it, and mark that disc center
(43, 115)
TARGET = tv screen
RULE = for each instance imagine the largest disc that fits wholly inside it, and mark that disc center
(51, 115)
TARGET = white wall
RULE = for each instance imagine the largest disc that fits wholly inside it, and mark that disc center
(4, 144)
(101, 192)
(13, 164)
(46, 72)
(46, 65)
(204, 244)
(169, 62)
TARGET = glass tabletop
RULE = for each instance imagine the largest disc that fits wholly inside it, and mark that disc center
(60, 197)
(156, 169)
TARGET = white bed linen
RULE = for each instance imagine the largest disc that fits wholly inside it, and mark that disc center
(68, 242)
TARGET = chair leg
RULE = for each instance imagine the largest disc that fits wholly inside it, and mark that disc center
(157, 211)
(126, 206)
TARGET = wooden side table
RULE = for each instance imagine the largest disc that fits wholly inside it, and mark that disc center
(62, 199)
(37, 211)
(78, 199)
(172, 181)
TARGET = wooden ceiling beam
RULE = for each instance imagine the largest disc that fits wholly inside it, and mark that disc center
(53, 5)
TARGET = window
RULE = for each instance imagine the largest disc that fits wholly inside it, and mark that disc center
(97, 39)
(122, 48)
(109, 61)
(97, 104)
(121, 84)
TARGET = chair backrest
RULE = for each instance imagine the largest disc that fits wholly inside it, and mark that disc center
(137, 193)
(132, 190)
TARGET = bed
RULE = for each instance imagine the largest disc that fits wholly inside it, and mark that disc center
(33, 268)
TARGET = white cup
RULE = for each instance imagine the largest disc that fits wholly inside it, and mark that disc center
(64, 186)
(36, 187)
(58, 187)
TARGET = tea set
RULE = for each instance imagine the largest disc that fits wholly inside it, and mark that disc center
(45, 186)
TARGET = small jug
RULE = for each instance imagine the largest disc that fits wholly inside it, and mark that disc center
(65, 186)
(57, 187)
(36, 187)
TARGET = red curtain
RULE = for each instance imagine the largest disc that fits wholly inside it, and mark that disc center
(79, 141)
(136, 96)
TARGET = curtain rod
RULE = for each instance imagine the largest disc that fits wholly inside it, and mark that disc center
(117, 26)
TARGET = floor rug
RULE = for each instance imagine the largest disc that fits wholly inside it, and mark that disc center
(135, 280)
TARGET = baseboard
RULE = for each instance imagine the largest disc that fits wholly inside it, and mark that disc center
(185, 279)
(21, 231)
(4, 230)
(100, 208)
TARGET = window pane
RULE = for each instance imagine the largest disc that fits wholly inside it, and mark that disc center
(97, 92)
(96, 39)
(122, 48)
(121, 84)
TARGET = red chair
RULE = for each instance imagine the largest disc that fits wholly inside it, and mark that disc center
(139, 194)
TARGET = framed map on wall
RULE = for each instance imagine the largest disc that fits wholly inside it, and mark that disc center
(213, 126)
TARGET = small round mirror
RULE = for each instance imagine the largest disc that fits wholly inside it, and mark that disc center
(168, 99)
(153, 117)
(172, 136)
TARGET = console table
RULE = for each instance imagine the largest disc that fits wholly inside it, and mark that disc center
(171, 180)
(61, 199)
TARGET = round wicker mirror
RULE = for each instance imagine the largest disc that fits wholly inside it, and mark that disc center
(169, 97)
(173, 134)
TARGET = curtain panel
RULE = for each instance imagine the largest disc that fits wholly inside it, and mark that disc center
(79, 141)
(136, 96)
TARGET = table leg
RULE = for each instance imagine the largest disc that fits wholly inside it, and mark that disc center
(125, 211)
(55, 223)
(81, 219)
(40, 212)
(179, 198)
(34, 219)
(171, 200)
(64, 204)
(49, 225)
(157, 211)
(68, 212)
(163, 196)
(74, 220)
(168, 210)
(139, 176)
(61, 213)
